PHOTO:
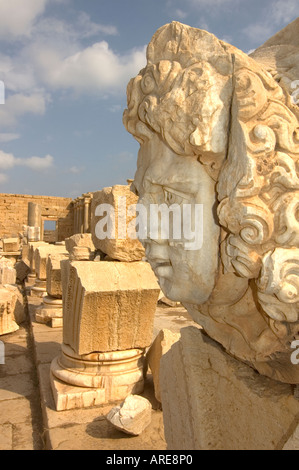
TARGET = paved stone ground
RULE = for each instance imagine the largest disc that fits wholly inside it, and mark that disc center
(28, 419)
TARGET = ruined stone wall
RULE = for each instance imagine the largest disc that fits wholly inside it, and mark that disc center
(14, 213)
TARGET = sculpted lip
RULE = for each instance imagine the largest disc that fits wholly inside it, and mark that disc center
(162, 268)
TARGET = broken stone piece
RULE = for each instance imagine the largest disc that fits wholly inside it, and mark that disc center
(22, 269)
(80, 247)
(7, 271)
(11, 309)
(114, 239)
(132, 416)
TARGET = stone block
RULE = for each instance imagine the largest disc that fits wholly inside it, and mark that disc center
(41, 257)
(11, 244)
(108, 306)
(22, 270)
(7, 271)
(161, 345)
(31, 255)
(50, 311)
(54, 286)
(80, 247)
(114, 219)
(11, 309)
(219, 403)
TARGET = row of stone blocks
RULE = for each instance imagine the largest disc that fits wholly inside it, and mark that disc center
(107, 311)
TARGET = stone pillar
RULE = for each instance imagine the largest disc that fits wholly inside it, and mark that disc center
(34, 214)
(87, 204)
(76, 215)
(220, 403)
(108, 314)
(51, 309)
(81, 214)
(35, 228)
(31, 260)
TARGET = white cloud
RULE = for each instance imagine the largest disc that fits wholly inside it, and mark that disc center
(8, 137)
(283, 11)
(18, 16)
(76, 170)
(277, 15)
(181, 14)
(18, 105)
(94, 69)
(9, 161)
(37, 163)
(88, 28)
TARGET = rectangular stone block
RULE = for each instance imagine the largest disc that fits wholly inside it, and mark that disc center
(31, 254)
(41, 257)
(108, 306)
(11, 309)
(7, 271)
(11, 244)
(110, 220)
(219, 403)
(54, 286)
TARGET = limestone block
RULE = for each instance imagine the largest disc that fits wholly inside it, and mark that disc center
(41, 257)
(25, 253)
(108, 306)
(80, 247)
(7, 271)
(132, 416)
(54, 286)
(218, 403)
(162, 343)
(50, 311)
(11, 309)
(22, 270)
(115, 242)
(10, 244)
(31, 256)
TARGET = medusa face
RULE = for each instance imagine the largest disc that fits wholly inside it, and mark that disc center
(182, 237)
(205, 114)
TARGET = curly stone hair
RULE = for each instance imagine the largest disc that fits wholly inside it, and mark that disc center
(254, 159)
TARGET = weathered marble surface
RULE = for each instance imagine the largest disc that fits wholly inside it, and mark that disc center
(215, 128)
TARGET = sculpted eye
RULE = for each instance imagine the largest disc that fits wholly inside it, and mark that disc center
(174, 197)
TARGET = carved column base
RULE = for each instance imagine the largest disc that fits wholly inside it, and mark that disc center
(97, 378)
(31, 278)
(50, 312)
(7, 324)
(40, 288)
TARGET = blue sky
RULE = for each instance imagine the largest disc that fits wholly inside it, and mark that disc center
(65, 65)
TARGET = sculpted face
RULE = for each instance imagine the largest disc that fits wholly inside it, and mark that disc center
(186, 268)
(217, 132)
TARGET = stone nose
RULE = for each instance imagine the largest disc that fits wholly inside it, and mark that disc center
(157, 250)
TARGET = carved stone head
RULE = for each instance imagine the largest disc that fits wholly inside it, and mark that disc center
(215, 129)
